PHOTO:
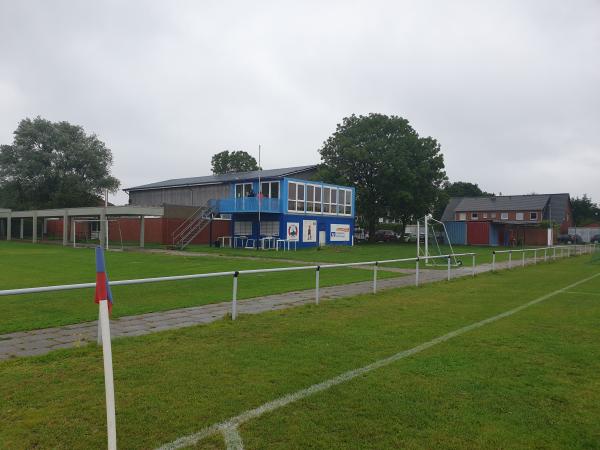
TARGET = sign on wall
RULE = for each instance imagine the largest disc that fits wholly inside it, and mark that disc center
(309, 230)
(293, 231)
(339, 232)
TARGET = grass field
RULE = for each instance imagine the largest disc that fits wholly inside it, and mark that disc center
(27, 265)
(524, 381)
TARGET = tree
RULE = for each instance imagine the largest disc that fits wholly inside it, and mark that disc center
(584, 210)
(236, 161)
(395, 172)
(54, 165)
(457, 189)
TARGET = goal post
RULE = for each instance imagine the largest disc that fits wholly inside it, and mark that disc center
(91, 234)
(434, 231)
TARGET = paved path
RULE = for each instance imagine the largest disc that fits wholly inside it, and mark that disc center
(39, 342)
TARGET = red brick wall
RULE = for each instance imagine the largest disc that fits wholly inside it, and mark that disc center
(512, 215)
(157, 230)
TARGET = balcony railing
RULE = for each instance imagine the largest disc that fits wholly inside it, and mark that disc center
(246, 204)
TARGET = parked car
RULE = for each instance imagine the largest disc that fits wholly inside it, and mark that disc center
(360, 235)
(595, 239)
(569, 239)
(385, 236)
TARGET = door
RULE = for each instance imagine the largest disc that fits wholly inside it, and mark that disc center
(322, 238)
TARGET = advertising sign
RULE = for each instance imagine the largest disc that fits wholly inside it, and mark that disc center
(309, 230)
(293, 231)
(339, 232)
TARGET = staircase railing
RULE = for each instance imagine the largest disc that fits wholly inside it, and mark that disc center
(191, 227)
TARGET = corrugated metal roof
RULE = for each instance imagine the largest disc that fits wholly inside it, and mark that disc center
(504, 203)
(225, 178)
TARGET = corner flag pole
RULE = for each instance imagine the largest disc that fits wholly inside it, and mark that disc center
(104, 299)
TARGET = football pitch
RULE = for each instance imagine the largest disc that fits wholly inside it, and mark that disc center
(505, 360)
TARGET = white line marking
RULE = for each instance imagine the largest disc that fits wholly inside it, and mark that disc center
(290, 398)
(233, 440)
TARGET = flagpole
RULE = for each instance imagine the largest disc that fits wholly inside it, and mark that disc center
(102, 297)
(260, 194)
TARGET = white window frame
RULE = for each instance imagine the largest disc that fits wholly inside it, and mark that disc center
(520, 216)
(299, 187)
(462, 216)
(269, 228)
(348, 203)
(504, 216)
(311, 203)
(242, 228)
(333, 205)
(532, 214)
(474, 216)
(243, 189)
(485, 215)
(270, 183)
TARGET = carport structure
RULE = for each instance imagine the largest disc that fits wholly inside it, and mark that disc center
(69, 216)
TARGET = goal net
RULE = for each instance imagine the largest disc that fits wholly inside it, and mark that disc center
(86, 232)
(433, 240)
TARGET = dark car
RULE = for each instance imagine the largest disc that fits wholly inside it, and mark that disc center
(569, 239)
(595, 239)
(385, 236)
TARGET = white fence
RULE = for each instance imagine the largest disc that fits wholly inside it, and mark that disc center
(236, 274)
(543, 253)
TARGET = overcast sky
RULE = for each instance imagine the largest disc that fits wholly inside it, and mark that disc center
(511, 89)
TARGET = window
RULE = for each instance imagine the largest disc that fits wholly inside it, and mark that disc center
(330, 200)
(270, 189)
(493, 215)
(313, 198)
(462, 216)
(485, 215)
(504, 216)
(296, 196)
(243, 190)
(520, 216)
(348, 208)
(242, 228)
(269, 228)
(533, 215)
(474, 216)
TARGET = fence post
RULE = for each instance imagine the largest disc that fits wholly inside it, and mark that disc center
(417, 272)
(375, 278)
(494, 261)
(448, 268)
(545, 254)
(535, 256)
(510, 259)
(234, 298)
(523, 258)
(317, 284)
(473, 264)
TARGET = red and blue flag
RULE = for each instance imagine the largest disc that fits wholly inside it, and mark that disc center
(102, 284)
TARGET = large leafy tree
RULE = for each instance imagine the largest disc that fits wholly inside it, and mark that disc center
(395, 172)
(54, 164)
(584, 210)
(457, 189)
(236, 161)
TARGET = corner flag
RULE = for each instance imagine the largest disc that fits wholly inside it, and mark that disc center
(102, 286)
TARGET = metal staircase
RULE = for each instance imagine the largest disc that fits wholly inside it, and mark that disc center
(191, 227)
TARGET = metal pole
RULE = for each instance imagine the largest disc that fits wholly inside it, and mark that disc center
(535, 256)
(317, 284)
(234, 297)
(545, 254)
(426, 238)
(494, 261)
(417, 272)
(448, 268)
(510, 259)
(523, 264)
(473, 265)
(375, 278)
(418, 237)
(74, 227)
(554, 253)
(108, 377)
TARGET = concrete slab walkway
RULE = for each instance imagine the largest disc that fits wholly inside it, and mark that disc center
(39, 342)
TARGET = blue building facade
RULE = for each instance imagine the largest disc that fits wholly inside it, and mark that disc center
(307, 213)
